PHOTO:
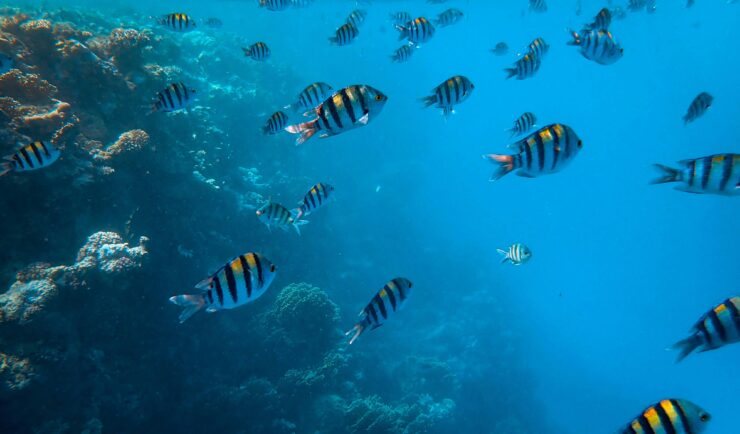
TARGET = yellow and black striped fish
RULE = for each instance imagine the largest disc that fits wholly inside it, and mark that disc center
(517, 254)
(698, 107)
(34, 156)
(545, 151)
(400, 18)
(670, 416)
(275, 124)
(714, 174)
(538, 6)
(602, 20)
(523, 124)
(275, 5)
(597, 45)
(715, 329)
(310, 97)
(526, 67)
(178, 22)
(451, 92)
(357, 17)
(316, 197)
(242, 280)
(417, 31)
(539, 48)
(403, 53)
(345, 34)
(351, 107)
(175, 97)
(274, 214)
(449, 17)
(258, 51)
(386, 302)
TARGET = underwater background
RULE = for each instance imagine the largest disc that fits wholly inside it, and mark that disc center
(142, 206)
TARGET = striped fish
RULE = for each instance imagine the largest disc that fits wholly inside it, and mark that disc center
(6, 63)
(36, 155)
(400, 18)
(526, 67)
(403, 53)
(174, 97)
(669, 416)
(546, 151)
(351, 107)
(275, 124)
(523, 124)
(451, 92)
(698, 107)
(602, 20)
(316, 197)
(715, 329)
(598, 46)
(517, 254)
(310, 97)
(539, 48)
(274, 214)
(357, 17)
(345, 35)
(449, 17)
(257, 51)
(637, 5)
(537, 6)
(714, 174)
(387, 301)
(275, 5)
(416, 31)
(178, 22)
(301, 3)
(242, 280)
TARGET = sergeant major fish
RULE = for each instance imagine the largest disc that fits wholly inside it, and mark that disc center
(274, 214)
(275, 5)
(275, 124)
(403, 53)
(258, 51)
(178, 22)
(539, 48)
(526, 67)
(345, 34)
(36, 155)
(675, 416)
(417, 31)
(546, 151)
(715, 174)
(449, 17)
(349, 108)
(400, 18)
(451, 92)
(523, 124)
(698, 107)
(386, 302)
(175, 97)
(357, 17)
(316, 197)
(538, 6)
(602, 20)
(598, 45)
(242, 280)
(517, 254)
(715, 329)
(310, 97)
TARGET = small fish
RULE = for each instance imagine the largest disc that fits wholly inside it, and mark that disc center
(523, 124)
(310, 97)
(449, 17)
(175, 97)
(241, 281)
(539, 48)
(349, 108)
(357, 17)
(275, 124)
(537, 6)
(258, 51)
(386, 302)
(400, 18)
(500, 49)
(698, 107)
(602, 20)
(345, 35)
(36, 155)
(676, 416)
(451, 92)
(517, 254)
(546, 151)
(714, 174)
(417, 31)
(525, 67)
(403, 53)
(715, 329)
(6, 63)
(637, 5)
(214, 23)
(598, 46)
(274, 214)
(275, 5)
(298, 4)
(316, 197)
(178, 22)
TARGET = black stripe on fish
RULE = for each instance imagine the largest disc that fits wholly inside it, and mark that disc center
(27, 157)
(247, 275)
(683, 416)
(258, 266)
(177, 94)
(391, 297)
(334, 113)
(381, 306)
(703, 329)
(726, 172)
(707, 172)
(528, 152)
(219, 290)
(371, 310)
(665, 420)
(348, 105)
(456, 83)
(231, 282)
(185, 91)
(646, 427)
(555, 149)
(43, 146)
(448, 98)
(692, 166)
(37, 154)
(401, 291)
(18, 160)
(169, 97)
(540, 151)
(323, 118)
(209, 293)
(718, 327)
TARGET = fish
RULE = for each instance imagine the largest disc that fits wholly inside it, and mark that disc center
(33, 156)
(698, 107)
(316, 197)
(417, 31)
(400, 18)
(6, 63)
(275, 124)
(523, 124)
(242, 280)
(349, 108)
(715, 329)
(274, 214)
(403, 53)
(357, 17)
(517, 254)
(451, 92)
(390, 299)
(713, 174)
(500, 49)
(537, 6)
(689, 3)
(310, 97)
(178, 22)
(546, 151)
(597, 45)
(602, 20)
(539, 48)
(449, 17)
(258, 51)
(676, 416)
(174, 97)
(637, 5)
(301, 3)
(214, 23)
(345, 34)
(275, 5)
(525, 67)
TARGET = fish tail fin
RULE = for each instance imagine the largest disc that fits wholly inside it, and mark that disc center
(356, 331)
(191, 303)
(306, 131)
(5, 168)
(402, 34)
(668, 174)
(429, 100)
(504, 254)
(576, 37)
(247, 52)
(298, 212)
(333, 40)
(512, 132)
(686, 347)
(510, 72)
(505, 164)
(265, 129)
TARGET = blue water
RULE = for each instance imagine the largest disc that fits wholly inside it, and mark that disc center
(571, 342)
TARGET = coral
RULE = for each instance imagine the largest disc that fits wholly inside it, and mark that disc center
(107, 252)
(133, 140)
(427, 375)
(15, 373)
(25, 299)
(372, 415)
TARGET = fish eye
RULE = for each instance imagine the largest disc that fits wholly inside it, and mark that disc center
(704, 417)
(273, 268)
(580, 144)
(378, 97)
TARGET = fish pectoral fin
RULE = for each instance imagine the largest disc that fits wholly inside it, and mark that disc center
(211, 309)
(375, 326)
(524, 174)
(203, 284)
(686, 189)
(364, 119)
